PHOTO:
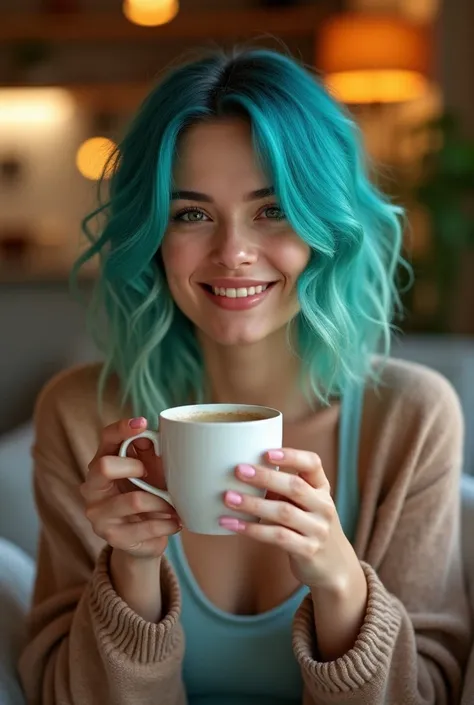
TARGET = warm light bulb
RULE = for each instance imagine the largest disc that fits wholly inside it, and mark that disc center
(150, 13)
(92, 157)
(34, 105)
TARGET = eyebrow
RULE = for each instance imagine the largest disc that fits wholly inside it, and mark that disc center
(196, 196)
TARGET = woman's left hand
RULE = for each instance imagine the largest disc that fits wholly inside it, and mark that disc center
(299, 516)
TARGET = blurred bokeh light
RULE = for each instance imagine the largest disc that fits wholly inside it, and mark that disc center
(150, 13)
(92, 157)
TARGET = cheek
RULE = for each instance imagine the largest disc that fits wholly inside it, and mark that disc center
(174, 267)
(179, 260)
(293, 257)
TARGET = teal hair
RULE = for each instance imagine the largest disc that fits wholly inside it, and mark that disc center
(310, 149)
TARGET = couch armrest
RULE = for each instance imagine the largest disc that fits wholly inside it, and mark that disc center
(16, 583)
(467, 531)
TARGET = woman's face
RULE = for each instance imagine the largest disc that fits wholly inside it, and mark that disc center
(231, 258)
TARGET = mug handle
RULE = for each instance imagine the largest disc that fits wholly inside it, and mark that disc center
(154, 436)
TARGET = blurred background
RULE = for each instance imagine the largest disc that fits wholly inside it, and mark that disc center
(72, 72)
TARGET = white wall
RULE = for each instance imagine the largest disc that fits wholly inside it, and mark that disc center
(42, 331)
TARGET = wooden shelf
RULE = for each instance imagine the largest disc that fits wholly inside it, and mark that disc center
(43, 264)
(110, 96)
(95, 26)
(116, 95)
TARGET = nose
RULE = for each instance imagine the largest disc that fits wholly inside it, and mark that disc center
(233, 248)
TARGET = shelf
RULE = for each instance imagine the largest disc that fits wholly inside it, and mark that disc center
(95, 26)
(43, 264)
(115, 95)
(110, 96)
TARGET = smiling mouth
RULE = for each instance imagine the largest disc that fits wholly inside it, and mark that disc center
(238, 293)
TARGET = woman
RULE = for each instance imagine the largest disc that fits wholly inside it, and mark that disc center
(246, 258)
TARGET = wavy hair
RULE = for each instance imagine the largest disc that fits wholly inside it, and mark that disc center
(310, 149)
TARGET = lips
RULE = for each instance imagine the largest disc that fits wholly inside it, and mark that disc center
(236, 288)
(237, 298)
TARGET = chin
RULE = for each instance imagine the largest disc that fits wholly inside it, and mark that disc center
(236, 337)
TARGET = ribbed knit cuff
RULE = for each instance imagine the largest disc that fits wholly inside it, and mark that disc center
(119, 628)
(367, 660)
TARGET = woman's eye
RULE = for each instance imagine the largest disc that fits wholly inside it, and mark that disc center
(274, 213)
(179, 217)
(194, 215)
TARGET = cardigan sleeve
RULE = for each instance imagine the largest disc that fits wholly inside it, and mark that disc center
(415, 638)
(85, 645)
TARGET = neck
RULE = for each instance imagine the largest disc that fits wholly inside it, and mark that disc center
(265, 373)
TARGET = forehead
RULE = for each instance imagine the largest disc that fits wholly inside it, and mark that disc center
(217, 153)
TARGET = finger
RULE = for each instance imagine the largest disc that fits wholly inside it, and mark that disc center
(287, 540)
(304, 462)
(129, 536)
(274, 512)
(290, 486)
(126, 505)
(115, 434)
(104, 471)
(168, 513)
(144, 450)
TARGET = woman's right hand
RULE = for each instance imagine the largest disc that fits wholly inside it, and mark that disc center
(129, 519)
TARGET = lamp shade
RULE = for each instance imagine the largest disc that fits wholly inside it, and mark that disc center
(371, 58)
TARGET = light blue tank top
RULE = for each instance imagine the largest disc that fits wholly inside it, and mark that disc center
(248, 660)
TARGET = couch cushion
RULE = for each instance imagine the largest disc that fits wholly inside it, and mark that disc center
(18, 517)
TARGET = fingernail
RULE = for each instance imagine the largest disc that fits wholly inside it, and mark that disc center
(231, 524)
(246, 470)
(276, 454)
(137, 422)
(233, 498)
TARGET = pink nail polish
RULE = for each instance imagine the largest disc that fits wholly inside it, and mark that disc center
(276, 454)
(138, 422)
(231, 524)
(233, 498)
(246, 470)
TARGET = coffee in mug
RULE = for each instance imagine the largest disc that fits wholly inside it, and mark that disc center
(200, 447)
(223, 417)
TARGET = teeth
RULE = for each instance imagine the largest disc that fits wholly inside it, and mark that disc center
(240, 293)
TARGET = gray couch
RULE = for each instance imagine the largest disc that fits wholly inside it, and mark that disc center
(19, 523)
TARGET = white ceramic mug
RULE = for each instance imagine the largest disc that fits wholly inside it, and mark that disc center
(200, 454)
